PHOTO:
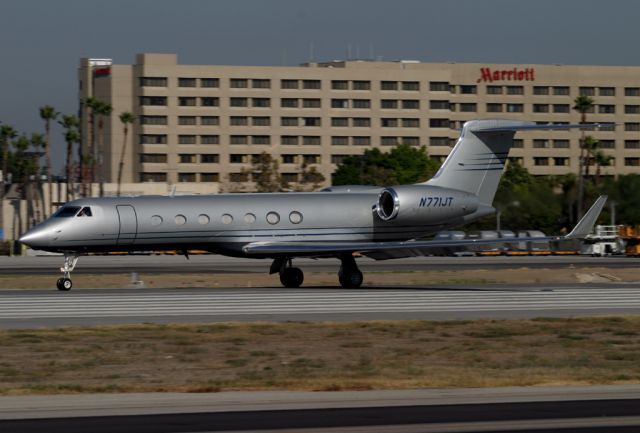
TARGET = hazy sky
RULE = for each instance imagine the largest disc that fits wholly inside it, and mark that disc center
(43, 40)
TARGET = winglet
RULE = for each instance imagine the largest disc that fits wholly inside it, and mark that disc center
(585, 225)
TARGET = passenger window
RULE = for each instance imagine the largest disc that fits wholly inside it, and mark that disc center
(86, 211)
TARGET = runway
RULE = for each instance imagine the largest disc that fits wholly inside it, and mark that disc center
(27, 309)
(544, 409)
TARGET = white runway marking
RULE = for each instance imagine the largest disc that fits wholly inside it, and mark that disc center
(307, 301)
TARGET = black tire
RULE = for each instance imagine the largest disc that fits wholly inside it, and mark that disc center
(350, 279)
(64, 284)
(292, 277)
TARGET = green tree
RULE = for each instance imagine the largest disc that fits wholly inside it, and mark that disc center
(582, 104)
(71, 136)
(102, 110)
(265, 173)
(48, 113)
(126, 118)
(310, 178)
(404, 164)
(7, 133)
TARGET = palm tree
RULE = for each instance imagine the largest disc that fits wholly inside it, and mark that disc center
(583, 104)
(48, 113)
(70, 124)
(126, 118)
(7, 133)
(601, 159)
(38, 142)
(103, 110)
(590, 145)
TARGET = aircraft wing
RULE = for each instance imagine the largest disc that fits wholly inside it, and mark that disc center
(388, 250)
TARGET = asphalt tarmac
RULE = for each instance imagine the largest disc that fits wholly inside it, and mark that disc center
(544, 409)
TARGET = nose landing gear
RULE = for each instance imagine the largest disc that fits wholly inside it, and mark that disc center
(64, 284)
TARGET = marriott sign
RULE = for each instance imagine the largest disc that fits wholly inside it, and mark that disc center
(516, 74)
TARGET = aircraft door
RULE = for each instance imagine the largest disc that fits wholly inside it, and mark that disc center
(128, 224)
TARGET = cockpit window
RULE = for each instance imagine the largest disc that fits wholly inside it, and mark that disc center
(67, 211)
(86, 211)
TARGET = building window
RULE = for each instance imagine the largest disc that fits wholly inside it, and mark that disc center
(311, 121)
(438, 104)
(260, 102)
(494, 108)
(560, 108)
(561, 144)
(235, 177)
(209, 82)
(186, 82)
(289, 84)
(494, 90)
(339, 103)
(469, 107)
(410, 123)
(632, 109)
(153, 158)
(153, 138)
(311, 159)
(209, 120)
(259, 83)
(239, 102)
(540, 90)
(311, 103)
(541, 160)
(515, 90)
(311, 140)
(389, 122)
(289, 102)
(153, 177)
(186, 139)
(587, 91)
(541, 144)
(388, 85)
(290, 177)
(153, 120)
(339, 85)
(632, 162)
(361, 122)
(439, 123)
(518, 143)
(411, 86)
(560, 161)
(361, 103)
(289, 121)
(439, 86)
(388, 141)
(186, 101)
(338, 159)
(186, 158)
(339, 140)
(260, 139)
(209, 101)
(340, 121)
(210, 139)
(607, 144)
(561, 90)
(239, 83)
(186, 120)
(362, 141)
(209, 177)
(311, 84)
(261, 121)
(389, 104)
(153, 81)
(186, 177)
(439, 141)
(288, 159)
(239, 139)
(289, 140)
(607, 126)
(540, 108)
(632, 126)
(606, 109)
(153, 100)
(632, 144)
(632, 91)
(411, 141)
(238, 121)
(237, 158)
(468, 89)
(361, 85)
(410, 104)
(607, 91)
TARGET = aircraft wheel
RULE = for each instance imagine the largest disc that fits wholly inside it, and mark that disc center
(64, 284)
(350, 279)
(291, 277)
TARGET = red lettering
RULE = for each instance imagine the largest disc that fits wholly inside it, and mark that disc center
(485, 75)
(533, 78)
(515, 74)
(520, 75)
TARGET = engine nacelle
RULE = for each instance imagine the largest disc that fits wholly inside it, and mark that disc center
(421, 204)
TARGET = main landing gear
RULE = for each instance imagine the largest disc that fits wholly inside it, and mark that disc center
(64, 284)
(349, 275)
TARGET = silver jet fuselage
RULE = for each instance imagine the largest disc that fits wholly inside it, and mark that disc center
(227, 222)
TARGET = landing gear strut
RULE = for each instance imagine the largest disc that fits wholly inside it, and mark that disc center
(64, 284)
(349, 275)
(289, 276)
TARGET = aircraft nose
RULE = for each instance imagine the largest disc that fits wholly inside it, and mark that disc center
(34, 238)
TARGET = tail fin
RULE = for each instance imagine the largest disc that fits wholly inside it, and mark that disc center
(476, 162)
